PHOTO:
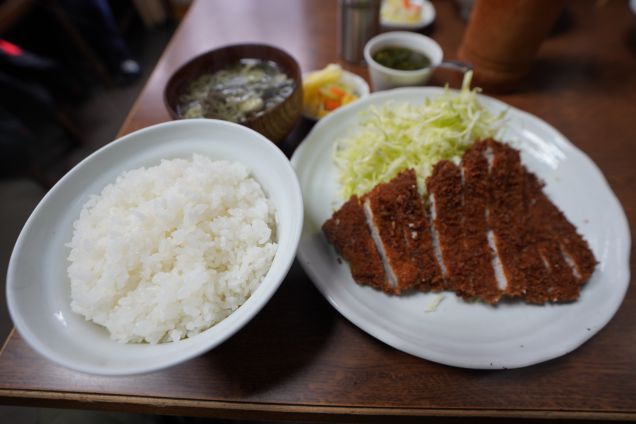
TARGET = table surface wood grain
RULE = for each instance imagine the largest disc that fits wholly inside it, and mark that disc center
(299, 358)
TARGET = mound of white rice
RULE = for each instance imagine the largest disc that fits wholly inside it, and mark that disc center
(166, 252)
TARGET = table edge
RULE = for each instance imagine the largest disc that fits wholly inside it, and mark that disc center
(271, 411)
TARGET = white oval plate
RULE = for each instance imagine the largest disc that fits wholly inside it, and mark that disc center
(473, 335)
(38, 287)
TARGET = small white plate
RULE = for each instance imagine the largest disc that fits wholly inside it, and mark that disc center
(473, 335)
(38, 287)
(427, 16)
(358, 84)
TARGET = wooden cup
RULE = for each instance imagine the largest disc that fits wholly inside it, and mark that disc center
(502, 39)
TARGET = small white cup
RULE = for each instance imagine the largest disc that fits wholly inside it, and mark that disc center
(383, 78)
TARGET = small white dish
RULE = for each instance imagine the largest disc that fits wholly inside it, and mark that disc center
(354, 81)
(38, 287)
(427, 16)
(383, 78)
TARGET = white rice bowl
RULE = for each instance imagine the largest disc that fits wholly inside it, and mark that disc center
(168, 251)
(38, 284)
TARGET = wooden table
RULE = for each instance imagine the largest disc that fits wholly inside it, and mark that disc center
(299, 358)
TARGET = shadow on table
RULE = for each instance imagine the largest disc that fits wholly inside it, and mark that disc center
(267, 351)
(587, 73)
(630, 38)
(302, 128)
(574, 72)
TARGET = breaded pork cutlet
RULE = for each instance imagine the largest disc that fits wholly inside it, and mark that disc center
(348, 232)
(444, 188)
(508, 219)
(575, 249)
(565, 254)
(561, 284)
(493, 233)
(479, 261)
(400, 229)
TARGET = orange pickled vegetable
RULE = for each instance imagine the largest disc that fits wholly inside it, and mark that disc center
(331, 104)
(324, 92)
(337, 91)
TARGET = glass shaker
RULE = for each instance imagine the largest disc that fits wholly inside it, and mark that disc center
(359, 20)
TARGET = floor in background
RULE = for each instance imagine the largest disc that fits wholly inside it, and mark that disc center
(98, 120)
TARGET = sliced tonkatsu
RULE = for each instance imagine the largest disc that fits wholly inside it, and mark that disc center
(482, 270)
(399, 225)
(349, 233)
(508, 218)
(566, 255)
(444, 188)
(489, 232)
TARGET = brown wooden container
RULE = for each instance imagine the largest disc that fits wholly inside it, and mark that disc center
(502, 39)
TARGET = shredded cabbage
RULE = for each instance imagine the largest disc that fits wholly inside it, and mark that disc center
(398, 136)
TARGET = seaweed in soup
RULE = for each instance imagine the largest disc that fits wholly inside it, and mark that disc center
(238, 93)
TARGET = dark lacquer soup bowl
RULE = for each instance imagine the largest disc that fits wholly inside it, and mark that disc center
(272, 107)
